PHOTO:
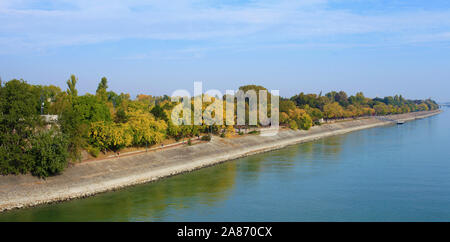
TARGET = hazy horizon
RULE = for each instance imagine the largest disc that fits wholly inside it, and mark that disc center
(381, 48)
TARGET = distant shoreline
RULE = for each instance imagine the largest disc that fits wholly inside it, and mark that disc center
(90, 178)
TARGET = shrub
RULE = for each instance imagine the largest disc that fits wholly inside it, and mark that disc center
(305, 122)
(13, 159)
(229, 131)
(206, 138)
(49, 151)
(293, 125)
(94, 151)
(254, 132)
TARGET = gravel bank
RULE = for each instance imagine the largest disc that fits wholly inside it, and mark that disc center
(89, 178)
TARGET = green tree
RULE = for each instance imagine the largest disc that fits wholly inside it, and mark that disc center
(75, 130)
(159, 113)
(358, 99)
(314, 113)
(70, 121)
(342, 98)
(48, 95)
(49, 152)
(381, 109)
(101, 89)
(71, 84)
(286, 105)
(302, 100)
(91, 109)
(19, 118)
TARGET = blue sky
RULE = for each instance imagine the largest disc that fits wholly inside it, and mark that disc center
(154, 47)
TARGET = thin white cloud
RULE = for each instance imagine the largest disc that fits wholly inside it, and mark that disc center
(28, 25)
(432, 37)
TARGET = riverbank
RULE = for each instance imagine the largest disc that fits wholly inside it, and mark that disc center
(89, 178)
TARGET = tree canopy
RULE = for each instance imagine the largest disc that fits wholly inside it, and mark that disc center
(109, 121)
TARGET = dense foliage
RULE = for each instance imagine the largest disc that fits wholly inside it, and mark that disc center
(23, 146)
(49, 153)
(337, 105)
(108, 121)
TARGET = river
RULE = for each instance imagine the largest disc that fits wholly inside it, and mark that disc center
(392, 173)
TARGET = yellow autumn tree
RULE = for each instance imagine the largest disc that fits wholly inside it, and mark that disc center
(293, 125)
(229, 131)
(333, 110)
(284, 118)
(108, 135)
(302, 119)
(422, 107)
(145, 128)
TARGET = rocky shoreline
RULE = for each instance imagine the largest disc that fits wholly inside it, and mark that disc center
(89, 178)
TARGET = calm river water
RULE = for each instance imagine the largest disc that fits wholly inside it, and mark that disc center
(393, 173)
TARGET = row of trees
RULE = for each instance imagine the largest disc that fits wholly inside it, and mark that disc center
(110, 121)
(337, 105)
